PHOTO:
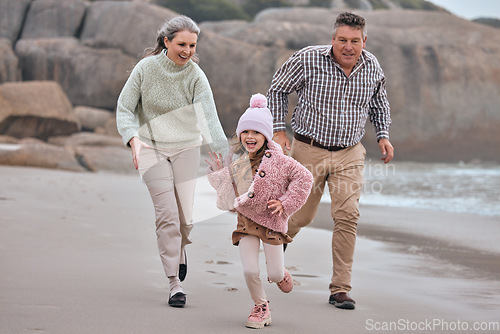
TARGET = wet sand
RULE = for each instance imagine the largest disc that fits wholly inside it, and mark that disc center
(472, 244)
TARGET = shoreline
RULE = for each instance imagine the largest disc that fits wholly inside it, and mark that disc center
(481, 260)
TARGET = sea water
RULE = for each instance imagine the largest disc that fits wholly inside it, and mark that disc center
(468, 188)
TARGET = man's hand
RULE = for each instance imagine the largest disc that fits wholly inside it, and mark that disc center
(387, 150)
(281, 138)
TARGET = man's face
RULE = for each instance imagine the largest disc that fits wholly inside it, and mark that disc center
(347, 45)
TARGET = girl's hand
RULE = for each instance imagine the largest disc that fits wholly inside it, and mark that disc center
(216, 161)
(276, 205)
(136, 146)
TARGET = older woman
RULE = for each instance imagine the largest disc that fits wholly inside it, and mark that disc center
(164, 112)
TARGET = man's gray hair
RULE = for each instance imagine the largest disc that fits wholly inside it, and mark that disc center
(352, 20)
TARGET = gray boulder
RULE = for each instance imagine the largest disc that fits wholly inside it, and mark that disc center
(12, 13)
(247, 70)
(128, 26)
(92, 118)
(92, 77)
(445, 91)
(35, 109)
(86, 139)
(54, 18)
(316, 16)
(106, 159)
(35, 153)
(9, 69)
(285, 34)
(8, 140)
(109, 128)
(97, 152)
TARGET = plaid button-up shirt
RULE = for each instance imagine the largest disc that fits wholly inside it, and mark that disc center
(332, 108)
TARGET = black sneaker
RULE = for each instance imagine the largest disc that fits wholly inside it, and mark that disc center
(342, 300)
(183, 268)
(177, 300)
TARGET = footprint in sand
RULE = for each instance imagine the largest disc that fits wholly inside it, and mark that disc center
(292, 268)
(216, 273)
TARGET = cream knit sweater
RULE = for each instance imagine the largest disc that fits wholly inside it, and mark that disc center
(169, 106)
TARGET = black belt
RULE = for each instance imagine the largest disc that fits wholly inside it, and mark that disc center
(312, 142)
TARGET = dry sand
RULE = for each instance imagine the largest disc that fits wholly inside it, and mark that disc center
(78, 255)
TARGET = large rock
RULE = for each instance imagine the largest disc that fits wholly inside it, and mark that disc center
(445, 91)
(35, 109)
(109, 128)
(128, 26)
(9, 69)
(35, 153)
(316, 16)
(86, 139)
(12, 13)
(54, 18)
(106, 159)
(97, 152)
(249, 70)
(92, 118)
(289, 35)
(89, 76)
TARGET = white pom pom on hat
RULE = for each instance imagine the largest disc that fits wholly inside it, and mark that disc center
(257, 118)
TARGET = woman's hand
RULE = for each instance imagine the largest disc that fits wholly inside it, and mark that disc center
(136, 146)
(216, 161)
(276, 205)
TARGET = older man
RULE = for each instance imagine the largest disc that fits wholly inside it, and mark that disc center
(338, 86)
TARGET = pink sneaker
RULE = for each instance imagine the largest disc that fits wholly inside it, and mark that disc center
(286, 284)
(260, 316)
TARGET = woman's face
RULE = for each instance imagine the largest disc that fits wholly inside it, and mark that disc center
(252, 140)
(182, 47)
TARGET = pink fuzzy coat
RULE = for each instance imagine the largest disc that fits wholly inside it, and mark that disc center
(278, 177)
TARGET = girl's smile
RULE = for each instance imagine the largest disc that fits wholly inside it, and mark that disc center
(252, 140)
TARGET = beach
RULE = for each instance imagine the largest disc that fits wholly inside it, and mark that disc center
(78, 254)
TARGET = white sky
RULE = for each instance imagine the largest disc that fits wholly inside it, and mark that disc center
(471, 9)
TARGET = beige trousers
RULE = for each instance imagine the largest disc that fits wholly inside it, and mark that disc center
(170, 176)
(343, 172)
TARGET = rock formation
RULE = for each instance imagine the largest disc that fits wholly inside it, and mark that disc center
(443, 72)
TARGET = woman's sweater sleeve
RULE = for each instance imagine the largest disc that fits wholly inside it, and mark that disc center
(222, 183)
(127, 121)
(298, 190)
(208, 119)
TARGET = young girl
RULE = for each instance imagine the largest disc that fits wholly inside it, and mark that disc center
(264, 187)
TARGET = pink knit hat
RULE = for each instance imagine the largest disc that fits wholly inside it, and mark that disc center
(257, 118)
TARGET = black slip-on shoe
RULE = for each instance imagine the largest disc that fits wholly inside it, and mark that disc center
(342, 300)
(183, 268)
(177, 300)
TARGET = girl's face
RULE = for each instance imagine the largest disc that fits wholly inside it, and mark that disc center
(252, 140)
(182, 47)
